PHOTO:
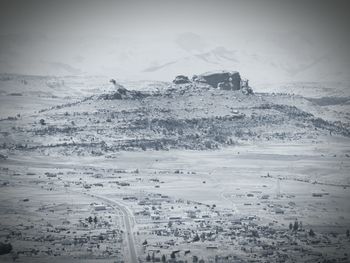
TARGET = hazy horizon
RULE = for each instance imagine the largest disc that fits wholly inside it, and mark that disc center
(270, 40)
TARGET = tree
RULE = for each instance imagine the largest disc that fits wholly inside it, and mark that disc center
(347, 233)
(176, 232)
(42, 122)
(194, 259)
(196, 238)
(311, 233)
(95, 219)
(172, 255)
(148, 258)
(163, 258)
(90, 219)
(295, 226)
(5, 248)
(290, 226)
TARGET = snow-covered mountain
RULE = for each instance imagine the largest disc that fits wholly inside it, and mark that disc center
(265, 58)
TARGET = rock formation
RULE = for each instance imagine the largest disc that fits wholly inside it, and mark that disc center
(181, 79)
(227, 80)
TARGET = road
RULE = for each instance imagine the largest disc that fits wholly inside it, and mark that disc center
(128, 223)
(127, 214)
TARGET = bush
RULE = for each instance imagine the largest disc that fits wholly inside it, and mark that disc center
(5, 248)
(296, 226)
(311, 233)
(196, 238)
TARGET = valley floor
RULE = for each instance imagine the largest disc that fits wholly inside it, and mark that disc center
(233, 204)
(91, 172)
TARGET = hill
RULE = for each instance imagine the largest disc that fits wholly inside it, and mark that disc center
(181, 116)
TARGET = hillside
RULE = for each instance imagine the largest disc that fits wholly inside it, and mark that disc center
(187, 116)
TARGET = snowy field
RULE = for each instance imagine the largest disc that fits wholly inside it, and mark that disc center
(117, 180)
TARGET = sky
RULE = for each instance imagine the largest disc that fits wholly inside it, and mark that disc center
(225, 21)
(162, 16)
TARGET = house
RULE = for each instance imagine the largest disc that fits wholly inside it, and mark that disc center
(99, 207)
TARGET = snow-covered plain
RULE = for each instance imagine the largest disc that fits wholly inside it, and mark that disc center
(182, 171)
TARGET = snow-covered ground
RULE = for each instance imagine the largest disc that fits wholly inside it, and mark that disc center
(180, 171)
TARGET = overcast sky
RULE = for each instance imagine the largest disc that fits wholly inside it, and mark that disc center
(326, 22)
(330, 18)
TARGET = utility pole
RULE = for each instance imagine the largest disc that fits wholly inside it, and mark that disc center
(278, 188)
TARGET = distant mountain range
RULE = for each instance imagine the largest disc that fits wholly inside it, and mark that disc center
(266, 58)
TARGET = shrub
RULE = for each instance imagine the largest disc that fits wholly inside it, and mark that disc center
(5, 248)
(296, 226)
(311, 233)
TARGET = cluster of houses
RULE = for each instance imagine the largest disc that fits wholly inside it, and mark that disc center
(184, 230)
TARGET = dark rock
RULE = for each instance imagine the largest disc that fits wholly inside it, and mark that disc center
(122, 90)
(115, 96)
(224, 86)
(181, 79)
(122, 93)
(247, 90)
(230, 80)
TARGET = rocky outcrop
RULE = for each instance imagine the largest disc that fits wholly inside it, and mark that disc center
(247, 90)
(123, 93)
(181, 79)
(226, 80)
